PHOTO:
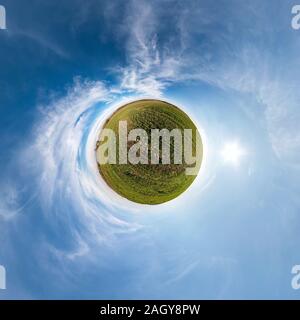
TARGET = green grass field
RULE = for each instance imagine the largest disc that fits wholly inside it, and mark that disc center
(149, 183)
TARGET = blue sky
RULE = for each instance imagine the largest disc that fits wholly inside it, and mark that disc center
(232, 65)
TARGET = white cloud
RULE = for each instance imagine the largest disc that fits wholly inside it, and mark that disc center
(201, 52)
(62, 161)
(225, 49)
(151, 66)
(13, 200)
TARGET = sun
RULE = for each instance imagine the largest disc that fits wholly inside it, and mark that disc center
(232, 153)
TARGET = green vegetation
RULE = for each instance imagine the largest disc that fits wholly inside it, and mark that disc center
(149, 183)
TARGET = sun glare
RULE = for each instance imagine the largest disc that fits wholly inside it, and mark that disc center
(232, 153)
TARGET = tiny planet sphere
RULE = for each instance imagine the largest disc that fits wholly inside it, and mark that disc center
(149, 151)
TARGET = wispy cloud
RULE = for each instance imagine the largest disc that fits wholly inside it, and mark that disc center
(153, 63)
(61, 161)
(228, 52)
(42, 41)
